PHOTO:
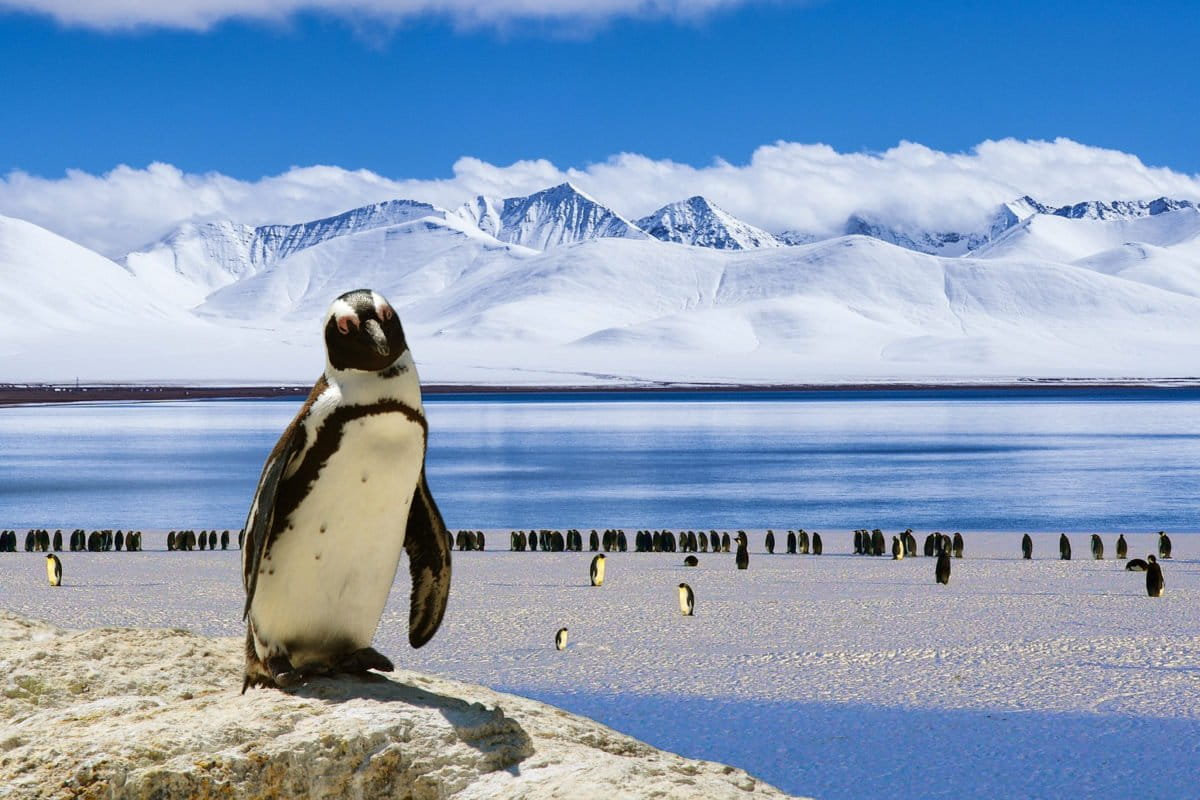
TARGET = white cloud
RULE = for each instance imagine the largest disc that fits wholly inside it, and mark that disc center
(200, 15)
(785, 185)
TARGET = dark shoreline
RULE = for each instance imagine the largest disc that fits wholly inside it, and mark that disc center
(1183, 388)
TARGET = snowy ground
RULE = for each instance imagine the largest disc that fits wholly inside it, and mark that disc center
(836, 676)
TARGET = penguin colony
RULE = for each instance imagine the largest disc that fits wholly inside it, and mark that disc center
(40, 540)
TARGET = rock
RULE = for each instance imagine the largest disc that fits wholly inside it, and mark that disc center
(138, 713)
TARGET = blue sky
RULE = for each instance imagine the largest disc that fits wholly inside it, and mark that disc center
(407, 98)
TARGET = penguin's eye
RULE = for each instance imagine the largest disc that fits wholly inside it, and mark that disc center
(347, 323)
(385, 312)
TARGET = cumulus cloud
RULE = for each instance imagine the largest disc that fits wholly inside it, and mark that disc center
(783, 186)
(200, 15)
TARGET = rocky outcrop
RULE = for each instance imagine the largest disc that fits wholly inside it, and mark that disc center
(138, 713)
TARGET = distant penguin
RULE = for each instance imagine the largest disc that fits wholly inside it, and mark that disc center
(1122, 547)
(897, 549)
(1097, 547)
(171, 540)
(54, 569)
(203, 539)
(594, 541)
(120, 540)
(1154, 578)
(878, 543)
(598, 570)
(30, 541)
(1164, 545)
(930, 546)
(743, 555)
(1026, 547)
(725, 542)
(791, 542)
(1064, 547)
(958, 545)
(224, 540)
(802, 542)
(703, 540)
(480, 541)
(241, 538)
(817, 547)
(910, 543)
(691, 561)
(1136, 565)
(858, 542)
(560, 639)
(58, 541)
(687, 600)
(770, 542)
(942, 571)
(622, 542)
(692, 543)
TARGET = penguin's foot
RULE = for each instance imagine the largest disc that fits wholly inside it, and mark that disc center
(283, 673)
(362, 660)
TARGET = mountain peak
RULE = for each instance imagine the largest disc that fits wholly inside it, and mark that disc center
(555, 216)
(701, 222)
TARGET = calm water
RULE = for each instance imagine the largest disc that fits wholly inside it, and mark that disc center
(1074, 461)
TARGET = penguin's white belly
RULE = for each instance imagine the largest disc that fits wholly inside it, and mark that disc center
(330, 571)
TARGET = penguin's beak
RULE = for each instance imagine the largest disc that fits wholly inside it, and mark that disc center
(378, 339)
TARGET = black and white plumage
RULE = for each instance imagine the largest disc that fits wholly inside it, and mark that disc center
(597, 570)
(1164, 545)
(560, 639)
(1154, 577)
(1064, 547)
(340, 496)
(687, 600)
(1026, 547)
(1122, 547)
(53, 569)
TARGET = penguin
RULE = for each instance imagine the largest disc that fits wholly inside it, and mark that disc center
(858, 542)
(910, 542)
(1164, 545)
(622, 542)
(171, 540)
(1026, 547)
(691, 561)
(224, 540)
(930, 546)
(877, 542)
(480, 541)
(703, 540)
(1097, 547)
(942, 570)
(58, 541)
(594, 541)
(743, 555)
(241, 538)
(817, 547)
(340, 496)
(598, 570)
(725, 542)
(120, 540)
(770, 542)
(560, 639)
(1122, 547)
(30, 541)
(687, 600)
(54, 569)
(1064, 548)
(1136, 565)
(802, 542)
(897, 549)
(791, 543)
(958, 544)
(1154, 578)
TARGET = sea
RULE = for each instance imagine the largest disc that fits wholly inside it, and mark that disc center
(1037, 460)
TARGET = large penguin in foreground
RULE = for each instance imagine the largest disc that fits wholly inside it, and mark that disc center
(341, 494)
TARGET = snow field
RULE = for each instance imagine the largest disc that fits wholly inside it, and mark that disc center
(835, 676)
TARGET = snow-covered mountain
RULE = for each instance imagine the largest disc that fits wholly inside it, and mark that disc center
(198, 259)
(1112, 291)
(550, 218)
(698, 221)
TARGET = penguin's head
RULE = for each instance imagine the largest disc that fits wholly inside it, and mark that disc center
(1152, 559)
(363, 332)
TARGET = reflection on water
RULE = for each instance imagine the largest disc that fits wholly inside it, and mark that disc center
(1001, 462)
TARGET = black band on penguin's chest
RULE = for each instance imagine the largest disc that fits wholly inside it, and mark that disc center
(294, 489)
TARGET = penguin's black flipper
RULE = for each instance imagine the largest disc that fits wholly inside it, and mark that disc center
(427, 543)
(262, 510)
